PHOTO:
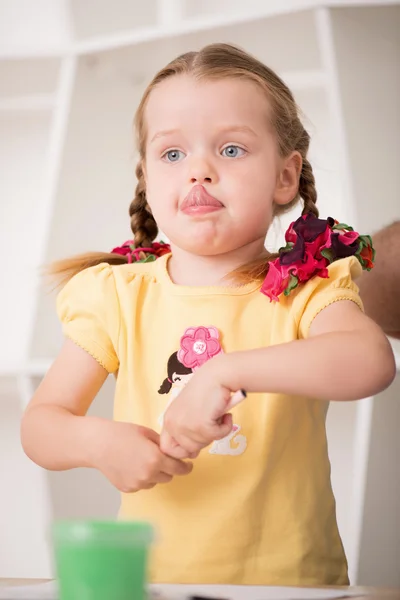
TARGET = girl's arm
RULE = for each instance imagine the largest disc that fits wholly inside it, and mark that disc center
(345, 357)
(54, 432)
(380, 288)
(57, 435)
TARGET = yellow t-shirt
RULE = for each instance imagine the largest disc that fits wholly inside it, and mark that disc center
(258, 507)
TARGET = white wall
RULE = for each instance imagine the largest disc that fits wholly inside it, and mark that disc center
(380, 541)
(368, 56)
(367, 43)
(85, 493)
(22, 494)
(25, 26)
(23, 147)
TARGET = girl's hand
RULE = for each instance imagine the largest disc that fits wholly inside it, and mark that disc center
(130, 457)
(198, 416)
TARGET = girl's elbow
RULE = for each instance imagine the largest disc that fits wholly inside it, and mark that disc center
(391, 369)
(385, 367)
(28, 435)
(25, 434)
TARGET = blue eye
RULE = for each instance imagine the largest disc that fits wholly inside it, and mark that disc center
(173, 156)
(233, 151)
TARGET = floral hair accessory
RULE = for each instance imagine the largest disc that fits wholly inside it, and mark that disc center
(312, 244)
(142, 255)
(198, 345)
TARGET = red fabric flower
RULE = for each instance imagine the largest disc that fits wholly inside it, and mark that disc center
(276, 281)
(348, 237)
(124, 250)
(312, 244)
(366, 253)
(140, 254)
(198, 344)
(160, 248)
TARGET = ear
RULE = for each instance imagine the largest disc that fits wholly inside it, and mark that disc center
(287, 183)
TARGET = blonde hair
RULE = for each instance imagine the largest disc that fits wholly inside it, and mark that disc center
(215, 61)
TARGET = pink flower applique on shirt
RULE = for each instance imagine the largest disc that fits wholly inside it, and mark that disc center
(198, 345)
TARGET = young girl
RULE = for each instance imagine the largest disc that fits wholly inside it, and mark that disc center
(222, 151)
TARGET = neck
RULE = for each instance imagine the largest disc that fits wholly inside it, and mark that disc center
(196, 270)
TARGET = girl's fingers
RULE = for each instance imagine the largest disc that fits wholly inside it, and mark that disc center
(194, 454)
(184, 449)
(178, 452)
(167, 442)
(224, 427)
(171, 465)
(163, 477)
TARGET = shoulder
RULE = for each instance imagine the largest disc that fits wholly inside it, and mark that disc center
(340, 274)
(86, 286)
(139, 275)
(88, 309)
(310, 298)
(107, 279)
(93, 305)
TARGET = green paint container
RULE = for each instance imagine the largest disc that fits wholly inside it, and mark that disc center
(101, 560)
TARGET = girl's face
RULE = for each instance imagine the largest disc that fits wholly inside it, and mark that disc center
(214, 134)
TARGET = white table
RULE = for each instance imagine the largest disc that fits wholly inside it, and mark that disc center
(45, 591)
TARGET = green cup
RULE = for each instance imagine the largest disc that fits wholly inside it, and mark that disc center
(101, 560)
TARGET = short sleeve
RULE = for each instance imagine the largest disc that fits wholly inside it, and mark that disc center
(318, 293)
(88, 309)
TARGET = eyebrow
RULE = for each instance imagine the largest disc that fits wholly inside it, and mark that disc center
(160, 134)
(228, 129)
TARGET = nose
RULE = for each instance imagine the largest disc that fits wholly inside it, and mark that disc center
(202, 170)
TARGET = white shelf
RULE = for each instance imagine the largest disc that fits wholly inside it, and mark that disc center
(195, 9)
(100, 24)
(28, 52)
(94, 18)
(37, 102)
(24, 140)
(22, 78)
(33, 368)
(263, 33)
(355, 32)
(37, 28)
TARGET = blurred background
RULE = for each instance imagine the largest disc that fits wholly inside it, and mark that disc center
(71, 75)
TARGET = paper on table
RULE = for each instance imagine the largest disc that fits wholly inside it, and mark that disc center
(233, 592)
(48, 591)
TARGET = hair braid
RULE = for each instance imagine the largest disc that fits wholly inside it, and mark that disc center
(307, 190)
(143, 225)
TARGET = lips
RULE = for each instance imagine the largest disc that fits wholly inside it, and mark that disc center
(200, 201)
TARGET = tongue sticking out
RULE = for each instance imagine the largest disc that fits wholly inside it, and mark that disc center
(197, 198)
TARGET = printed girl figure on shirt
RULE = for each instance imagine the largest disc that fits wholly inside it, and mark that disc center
(179, 376)
(222, 152)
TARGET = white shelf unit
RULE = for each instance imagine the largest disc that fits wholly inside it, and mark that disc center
(66, 150)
